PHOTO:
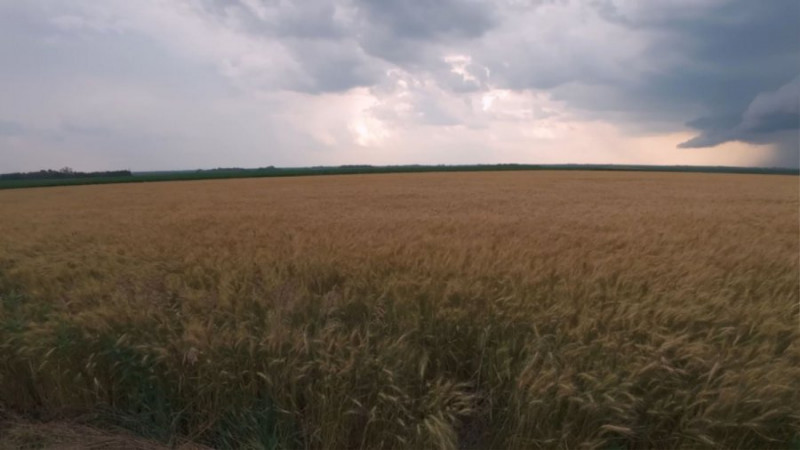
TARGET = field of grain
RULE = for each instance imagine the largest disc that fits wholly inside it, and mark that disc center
(458, 310)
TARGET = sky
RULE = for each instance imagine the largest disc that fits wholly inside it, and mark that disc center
(185, 84)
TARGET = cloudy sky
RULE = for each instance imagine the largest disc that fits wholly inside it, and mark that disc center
(171, 84)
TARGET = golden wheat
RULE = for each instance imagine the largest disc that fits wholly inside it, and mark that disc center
(490, 310)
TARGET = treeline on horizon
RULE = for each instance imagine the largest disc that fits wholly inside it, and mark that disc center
(366, 168)
(65, 173)
(65, 177)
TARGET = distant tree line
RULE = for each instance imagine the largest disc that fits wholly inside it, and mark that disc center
(64, 173)
(67, 177)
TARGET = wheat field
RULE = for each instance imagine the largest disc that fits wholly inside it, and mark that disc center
(462, 310)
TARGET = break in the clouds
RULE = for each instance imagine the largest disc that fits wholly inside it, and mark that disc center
(158, 84)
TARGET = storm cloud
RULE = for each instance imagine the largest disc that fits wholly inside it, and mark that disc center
(202, 83)
(770, 112)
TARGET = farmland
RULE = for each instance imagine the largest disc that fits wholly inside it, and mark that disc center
(434, 310)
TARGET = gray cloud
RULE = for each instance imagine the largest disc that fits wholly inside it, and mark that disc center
(772, 117)
(309, 19)
(8, 128)
(732, 63)
(429, 19)
(769, 112)
(321, 36)
(98, 76)
(412, 34)
(651, 66)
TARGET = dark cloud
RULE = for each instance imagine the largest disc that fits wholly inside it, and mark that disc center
(771, 118)
(732, 61)
(333, 66)
(425, 20)
(404, 32)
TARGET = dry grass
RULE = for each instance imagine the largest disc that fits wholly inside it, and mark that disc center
(484, 310)
(17, 433)
(74, 436)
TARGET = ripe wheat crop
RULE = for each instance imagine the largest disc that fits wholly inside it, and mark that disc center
(483, 310)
